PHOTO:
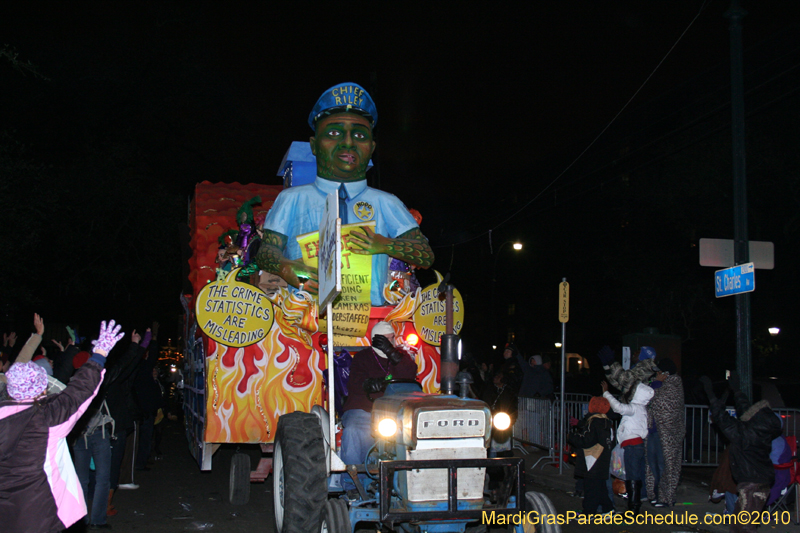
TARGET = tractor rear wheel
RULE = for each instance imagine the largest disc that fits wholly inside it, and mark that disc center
(336, 518)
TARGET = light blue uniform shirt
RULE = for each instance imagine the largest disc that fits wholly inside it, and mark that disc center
(298, 210)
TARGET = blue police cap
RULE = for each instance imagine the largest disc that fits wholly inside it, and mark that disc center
(344, 98)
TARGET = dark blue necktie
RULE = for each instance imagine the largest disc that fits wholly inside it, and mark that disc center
(343, 203)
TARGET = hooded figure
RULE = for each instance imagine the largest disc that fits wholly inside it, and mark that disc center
(631, 434)
(750, 438)
(536, 379)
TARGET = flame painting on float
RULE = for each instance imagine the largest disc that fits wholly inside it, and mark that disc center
(252, 357)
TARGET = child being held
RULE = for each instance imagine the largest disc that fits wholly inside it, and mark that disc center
(594, 437)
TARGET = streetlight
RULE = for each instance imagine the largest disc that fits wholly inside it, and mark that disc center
(517, 246)
(774, 331)
(558, 345)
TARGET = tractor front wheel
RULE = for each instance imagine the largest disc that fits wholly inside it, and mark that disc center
(299, 473)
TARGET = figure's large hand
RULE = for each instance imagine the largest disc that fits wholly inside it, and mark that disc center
(38, 323)
(368, 242)
(109, 336)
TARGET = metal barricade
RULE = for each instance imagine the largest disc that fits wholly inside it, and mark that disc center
(538, 425)
(702, 444)
(791, 420)
(534, 425)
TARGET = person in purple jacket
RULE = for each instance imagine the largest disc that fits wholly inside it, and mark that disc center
(371, 368)
(39, 489)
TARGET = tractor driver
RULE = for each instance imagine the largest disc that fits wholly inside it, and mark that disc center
(370, 370)
(342, 120)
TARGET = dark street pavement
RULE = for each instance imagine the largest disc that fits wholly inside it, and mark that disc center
(175, 496)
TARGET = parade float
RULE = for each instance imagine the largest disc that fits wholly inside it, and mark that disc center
(256, 350)
(287, 283)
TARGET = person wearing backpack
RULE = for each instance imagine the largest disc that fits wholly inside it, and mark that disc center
(96, 431)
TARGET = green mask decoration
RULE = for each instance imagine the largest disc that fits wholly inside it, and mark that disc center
(343, 146)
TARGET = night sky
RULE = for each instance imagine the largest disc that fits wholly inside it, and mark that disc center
(114, 111)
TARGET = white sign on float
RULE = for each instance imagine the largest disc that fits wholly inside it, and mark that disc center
(330, 252)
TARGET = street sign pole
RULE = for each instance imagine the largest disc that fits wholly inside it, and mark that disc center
(563, 317)
(741, 250)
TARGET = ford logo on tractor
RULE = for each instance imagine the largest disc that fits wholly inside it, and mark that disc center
(455, 423)
(451, 424)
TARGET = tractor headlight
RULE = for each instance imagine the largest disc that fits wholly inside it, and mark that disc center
(387, 427)
(502, 421)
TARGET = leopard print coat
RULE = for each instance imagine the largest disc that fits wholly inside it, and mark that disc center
(665, 413)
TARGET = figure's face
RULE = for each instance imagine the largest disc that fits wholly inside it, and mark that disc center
(343, 146)
(507, 354)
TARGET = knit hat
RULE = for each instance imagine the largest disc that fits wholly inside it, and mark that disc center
(599, 405)
(510, 346)
(382, 328)
(646, 352)
(537, 359)
(26, 380)
(667, 365)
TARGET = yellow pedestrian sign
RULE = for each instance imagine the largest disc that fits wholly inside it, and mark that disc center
(563, 302)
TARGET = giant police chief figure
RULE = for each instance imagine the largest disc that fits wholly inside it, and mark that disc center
(342, 120)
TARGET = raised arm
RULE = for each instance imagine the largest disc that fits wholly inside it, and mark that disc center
(270, 258)
(26, 354)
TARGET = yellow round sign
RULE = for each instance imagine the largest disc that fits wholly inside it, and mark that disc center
(234, 313)
(429, 317)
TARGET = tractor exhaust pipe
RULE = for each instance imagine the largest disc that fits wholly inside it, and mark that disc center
(449, 365)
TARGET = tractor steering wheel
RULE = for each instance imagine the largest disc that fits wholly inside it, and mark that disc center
(391, 381)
